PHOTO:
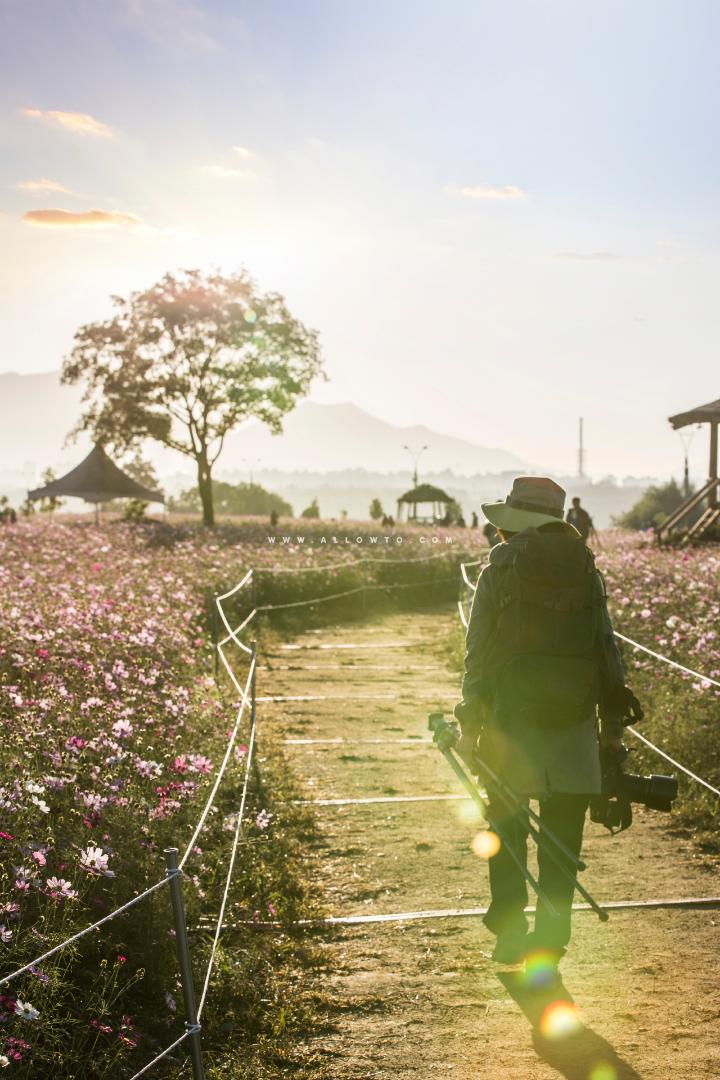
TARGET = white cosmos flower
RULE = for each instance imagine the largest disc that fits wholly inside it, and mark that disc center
(25, 1010)
(95, 861)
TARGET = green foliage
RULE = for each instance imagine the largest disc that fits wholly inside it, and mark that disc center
(655, 504)
(52, 503)
(243, 500)
(311, 511)
(185, 361)
(376, 510)
(144, 473)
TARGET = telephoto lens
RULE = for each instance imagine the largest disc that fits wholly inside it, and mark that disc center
(655, 792)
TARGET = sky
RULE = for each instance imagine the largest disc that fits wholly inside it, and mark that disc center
(501, 215)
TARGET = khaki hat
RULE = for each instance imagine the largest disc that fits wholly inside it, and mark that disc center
(533, 501)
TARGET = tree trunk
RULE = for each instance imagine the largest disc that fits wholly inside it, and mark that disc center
(205, 490)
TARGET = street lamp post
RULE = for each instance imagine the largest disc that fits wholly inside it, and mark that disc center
(415, 455)
(251, 463)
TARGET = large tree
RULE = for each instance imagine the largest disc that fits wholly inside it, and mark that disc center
(187, 360)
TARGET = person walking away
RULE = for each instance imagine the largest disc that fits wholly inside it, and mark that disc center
(540, 661)
(578, 516)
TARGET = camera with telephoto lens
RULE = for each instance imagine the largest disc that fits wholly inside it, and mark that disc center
(613, 807)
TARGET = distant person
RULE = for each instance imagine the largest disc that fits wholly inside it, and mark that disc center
(461, 522)
(578, 516)
(474, 521)
(490, 533)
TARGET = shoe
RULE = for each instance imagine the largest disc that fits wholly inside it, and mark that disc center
(510, 949)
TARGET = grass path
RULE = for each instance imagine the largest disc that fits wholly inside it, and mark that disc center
(423, 999)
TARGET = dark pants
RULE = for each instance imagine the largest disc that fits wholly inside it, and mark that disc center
(565, 816)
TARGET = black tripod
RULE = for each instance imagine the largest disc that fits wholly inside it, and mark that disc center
(445, 737)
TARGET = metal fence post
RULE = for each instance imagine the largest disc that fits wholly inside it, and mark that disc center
(253, 661)
(191, 1018)
(216, 638)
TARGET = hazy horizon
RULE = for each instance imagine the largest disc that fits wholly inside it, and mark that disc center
(500, 217)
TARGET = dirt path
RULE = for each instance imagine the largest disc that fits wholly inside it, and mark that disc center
(423, 999)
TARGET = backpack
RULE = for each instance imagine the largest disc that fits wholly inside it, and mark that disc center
(543, 653)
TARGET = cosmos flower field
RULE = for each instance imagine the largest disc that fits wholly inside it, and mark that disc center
(113, 727)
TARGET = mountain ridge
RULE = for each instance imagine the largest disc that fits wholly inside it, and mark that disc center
(37, 412)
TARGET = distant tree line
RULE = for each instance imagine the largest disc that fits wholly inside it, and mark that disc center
(652, 508)
(241, 500)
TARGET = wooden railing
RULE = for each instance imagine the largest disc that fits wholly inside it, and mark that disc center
(663, 531)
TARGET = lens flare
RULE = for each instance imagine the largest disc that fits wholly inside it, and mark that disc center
(559, 1020)
(486, 844)
(250, 316)
(540, 969)
(603, 1071)
(469, 813)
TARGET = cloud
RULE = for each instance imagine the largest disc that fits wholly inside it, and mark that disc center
(177, 25)
(43, 185)
(485, 191)
(245, 153)
(81, 219)
(78, 123)
(588, 256)
(223, 173)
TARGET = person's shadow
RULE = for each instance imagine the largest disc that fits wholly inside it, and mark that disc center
(578, 1054)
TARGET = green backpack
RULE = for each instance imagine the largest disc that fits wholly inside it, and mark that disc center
(544, 650)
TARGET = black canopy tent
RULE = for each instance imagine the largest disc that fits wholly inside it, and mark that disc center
(97, 479)
(424, 494)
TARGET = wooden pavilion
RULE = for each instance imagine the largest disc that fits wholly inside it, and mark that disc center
(433, 501)
(692, 519)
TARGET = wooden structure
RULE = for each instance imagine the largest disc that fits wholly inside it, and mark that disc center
(97, 479)
(699, 514)
(427, 496)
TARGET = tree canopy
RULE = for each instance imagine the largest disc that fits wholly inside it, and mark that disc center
(240, 499)
(187, 360)
(654, 505)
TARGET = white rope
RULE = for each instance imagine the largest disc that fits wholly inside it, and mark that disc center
(218, 602)
(380, 799)
(88, 929)
(466, 579)
(666, 660)
(165, 1052)
(474, 912)
(461, 610)
(348, 564)
(672, 761)
(352, 592)
(231, 866)
(316, 600)
(340, 741)
(221, 770)
(235, 632)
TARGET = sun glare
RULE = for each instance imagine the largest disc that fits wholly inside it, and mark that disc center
(559, 1020)
(485, 844)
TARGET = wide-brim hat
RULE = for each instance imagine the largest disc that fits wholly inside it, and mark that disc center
(533, 501)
